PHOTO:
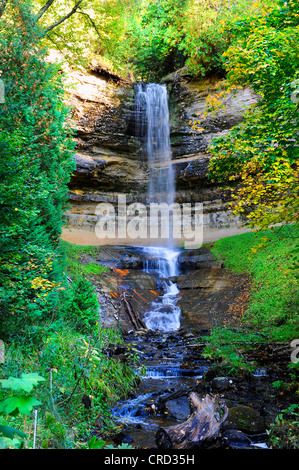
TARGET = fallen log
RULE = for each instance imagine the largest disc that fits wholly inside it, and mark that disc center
(129, 311)
(201, 429)
(135, 319)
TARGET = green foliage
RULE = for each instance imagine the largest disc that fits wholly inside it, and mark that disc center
(124, 445)
(155, 54)
(14, 405)
(22, 404)
(83, 309)
(163, 36)
(229, 345)
(267, 256)
(35, 167)
(79, 304)
(283, 433)
(76, 368)
(75, 255)
(25, 383)
(95, 32)
(9, 433)
(95, 443)
(207, 32)
(262, 152)
(271, 314)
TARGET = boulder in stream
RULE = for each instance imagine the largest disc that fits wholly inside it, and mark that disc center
(245, 419)
(179, 408)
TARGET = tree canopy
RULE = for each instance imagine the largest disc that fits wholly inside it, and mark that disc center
(263, 151)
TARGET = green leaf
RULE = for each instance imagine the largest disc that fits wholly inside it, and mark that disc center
(9, 432)
(25, 383)
(6, 443)
(124, 445)
(22, 403)
(95, 443)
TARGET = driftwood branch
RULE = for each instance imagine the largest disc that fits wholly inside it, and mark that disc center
(134, 317)
(202, 426)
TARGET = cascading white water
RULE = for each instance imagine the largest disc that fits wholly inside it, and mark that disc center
(153, 125)
(152, 122)
(164, 314)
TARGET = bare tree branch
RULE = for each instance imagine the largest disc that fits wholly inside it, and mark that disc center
(2, 6)
(91, 21)
(44, 9)
(54, 25)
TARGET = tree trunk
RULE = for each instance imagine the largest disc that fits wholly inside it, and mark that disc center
(199, 430)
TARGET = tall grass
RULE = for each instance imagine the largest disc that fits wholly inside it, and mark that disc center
(269, 257)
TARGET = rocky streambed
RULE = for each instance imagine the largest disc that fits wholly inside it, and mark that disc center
(172, 366)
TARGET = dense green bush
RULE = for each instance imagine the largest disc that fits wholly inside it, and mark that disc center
(83, 309)
(35, 167)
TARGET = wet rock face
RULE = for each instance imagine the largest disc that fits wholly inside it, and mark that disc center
(109, 157)
(207, 290)
(107, 154)
(188, 100)
(206, 295)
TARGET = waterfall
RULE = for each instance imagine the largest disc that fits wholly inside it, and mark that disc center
(153, 128)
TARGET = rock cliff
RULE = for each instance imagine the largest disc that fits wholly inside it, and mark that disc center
(109, 156)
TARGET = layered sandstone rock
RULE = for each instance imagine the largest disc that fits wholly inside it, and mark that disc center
(109, 157)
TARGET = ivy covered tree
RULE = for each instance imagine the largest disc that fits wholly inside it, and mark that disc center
(35, 167)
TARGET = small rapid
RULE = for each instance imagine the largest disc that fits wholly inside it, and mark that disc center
(164, 314)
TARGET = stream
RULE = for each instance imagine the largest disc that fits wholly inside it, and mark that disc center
(160, 281)
(165, 371)
(165, 365)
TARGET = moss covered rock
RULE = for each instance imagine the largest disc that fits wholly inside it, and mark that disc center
(245, 419)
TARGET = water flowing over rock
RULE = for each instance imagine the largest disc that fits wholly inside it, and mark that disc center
(152, 123)
(110, 156)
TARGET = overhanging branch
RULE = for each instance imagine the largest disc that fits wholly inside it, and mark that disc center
(44, 9)
(91, 21)
(54, 25)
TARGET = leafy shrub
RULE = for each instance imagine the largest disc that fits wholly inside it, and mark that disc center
(284, 432)
(22, 403)
(83, 309)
